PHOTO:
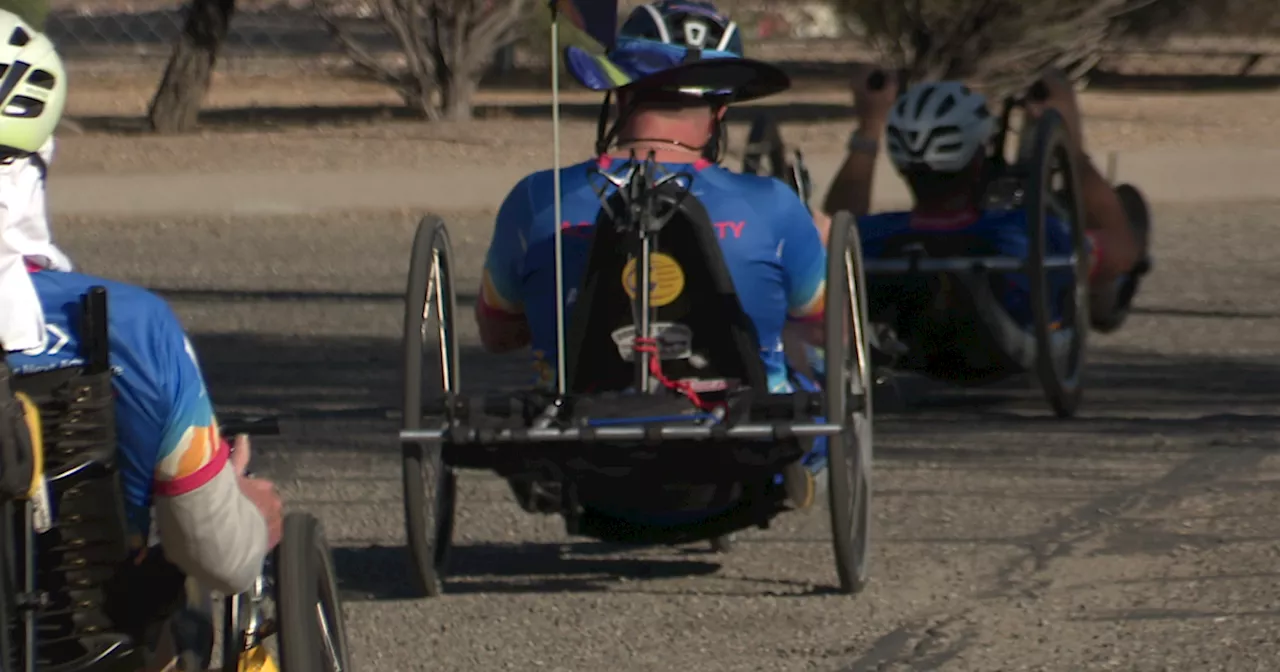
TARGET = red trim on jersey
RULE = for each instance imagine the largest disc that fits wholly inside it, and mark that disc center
(944, 221)
(492, 312)
(1095, 251)
(203, 475)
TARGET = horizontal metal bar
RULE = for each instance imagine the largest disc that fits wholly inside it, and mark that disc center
(632, 433)
(961, 265)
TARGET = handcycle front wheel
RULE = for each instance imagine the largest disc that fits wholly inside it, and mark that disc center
(430, 369)
(847, 360)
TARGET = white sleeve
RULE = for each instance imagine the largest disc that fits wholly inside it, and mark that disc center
(214, 534)
(26, 218)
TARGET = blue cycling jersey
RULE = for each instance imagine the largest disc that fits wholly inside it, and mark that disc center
(168, 439)
(772, 250)
(1005, 231)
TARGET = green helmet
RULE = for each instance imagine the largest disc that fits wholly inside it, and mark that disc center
(33, 86)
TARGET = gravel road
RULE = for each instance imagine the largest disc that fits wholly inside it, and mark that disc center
(1140, 536)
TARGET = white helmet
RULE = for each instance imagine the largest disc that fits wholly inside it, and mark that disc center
(33, 86)
(938, 125)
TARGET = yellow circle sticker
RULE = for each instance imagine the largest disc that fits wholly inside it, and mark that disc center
(666, 279)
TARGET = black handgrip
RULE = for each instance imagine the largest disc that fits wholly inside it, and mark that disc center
(877, 80)
(235, 425)
(1039, 92)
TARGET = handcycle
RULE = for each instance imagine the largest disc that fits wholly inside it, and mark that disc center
(934, 305)
(662, 430)
(77, 599)
(920, 271)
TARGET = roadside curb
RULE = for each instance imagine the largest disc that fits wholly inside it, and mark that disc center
(1166, 175)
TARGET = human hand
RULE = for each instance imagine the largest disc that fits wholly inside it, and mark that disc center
(260, 491)
(874, 90)
(1053, 91)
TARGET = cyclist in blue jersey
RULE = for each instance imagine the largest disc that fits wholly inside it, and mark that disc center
(936, 135)
(671, 100)
(215, 523)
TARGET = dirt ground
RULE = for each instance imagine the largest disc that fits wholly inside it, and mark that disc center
(308, 124)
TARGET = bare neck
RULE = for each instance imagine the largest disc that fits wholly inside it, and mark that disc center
(662, 152)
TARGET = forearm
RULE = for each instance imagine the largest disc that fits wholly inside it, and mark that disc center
(1105, 217)
(501, 333)
(850, 189)
(214, 534)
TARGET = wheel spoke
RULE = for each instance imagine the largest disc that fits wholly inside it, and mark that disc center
(330, 649)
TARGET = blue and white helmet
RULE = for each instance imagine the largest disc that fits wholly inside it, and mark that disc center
(940, 126)
(684, 22)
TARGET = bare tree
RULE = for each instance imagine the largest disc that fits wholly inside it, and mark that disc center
(447, 45)
(176, 105)
(998, 44)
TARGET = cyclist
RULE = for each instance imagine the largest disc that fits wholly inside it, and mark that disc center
(671, 100)
(215, 523)
(946, 166)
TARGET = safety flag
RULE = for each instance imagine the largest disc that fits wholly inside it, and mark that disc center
(597, 18)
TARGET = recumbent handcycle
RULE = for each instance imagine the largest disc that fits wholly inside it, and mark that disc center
(666, 432)
(933, 298)
(77, 599)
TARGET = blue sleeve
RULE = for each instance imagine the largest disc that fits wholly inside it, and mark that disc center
(802, 255)
(504, 262)
(167, 408)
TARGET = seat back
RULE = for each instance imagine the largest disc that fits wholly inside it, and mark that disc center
(88, 599)
(702, 331)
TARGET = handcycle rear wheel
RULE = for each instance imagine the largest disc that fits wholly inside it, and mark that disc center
(766, 151)
(312, 635)
(430, 486)
(848, 399)
(307, 619)
(1053, 191)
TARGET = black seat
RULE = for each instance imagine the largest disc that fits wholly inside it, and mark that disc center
(91, 599)
(712, 339)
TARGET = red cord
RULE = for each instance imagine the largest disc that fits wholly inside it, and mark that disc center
(650, 346)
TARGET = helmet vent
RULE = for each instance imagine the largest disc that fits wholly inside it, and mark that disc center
(23, 107)
(42, 79)
(924, 100)
(946, 105)
(19, 38)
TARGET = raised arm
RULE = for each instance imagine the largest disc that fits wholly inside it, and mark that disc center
(873, 94)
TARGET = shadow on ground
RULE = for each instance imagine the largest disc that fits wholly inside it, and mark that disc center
(378, 572)
(1127, 392)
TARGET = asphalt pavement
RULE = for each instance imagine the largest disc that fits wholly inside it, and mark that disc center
(1139, 536)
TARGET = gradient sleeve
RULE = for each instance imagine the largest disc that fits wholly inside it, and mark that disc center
(803, 257)
(504, 262)
(191, 452)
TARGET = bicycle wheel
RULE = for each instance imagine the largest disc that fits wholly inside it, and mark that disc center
(430, 360)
